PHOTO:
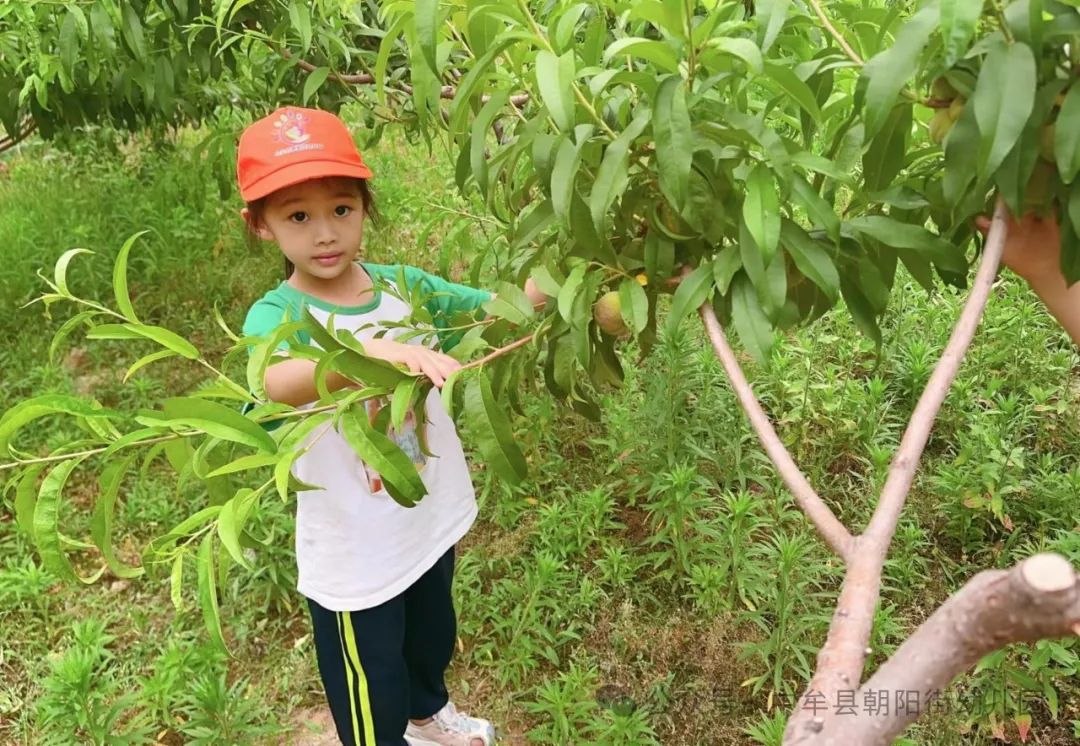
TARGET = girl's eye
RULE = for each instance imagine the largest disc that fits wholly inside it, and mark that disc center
(299, 217)
(342, 210)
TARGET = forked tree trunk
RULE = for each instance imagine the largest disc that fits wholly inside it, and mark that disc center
(1036, 599)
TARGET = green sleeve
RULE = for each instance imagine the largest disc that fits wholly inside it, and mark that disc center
(444, 299)
(444, 296)
(264, 317)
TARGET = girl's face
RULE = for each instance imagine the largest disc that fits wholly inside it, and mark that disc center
(318, 225)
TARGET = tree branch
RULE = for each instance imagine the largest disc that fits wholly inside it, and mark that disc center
(851, 53)
(827, 524)
(447, 91)
(26, 129)
(902, 471)
(1038, 598)
(840, 661)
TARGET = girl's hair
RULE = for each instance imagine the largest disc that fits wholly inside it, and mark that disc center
(256, 208)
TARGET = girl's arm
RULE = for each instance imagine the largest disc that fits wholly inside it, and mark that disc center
(293, 381)
(1033, 251)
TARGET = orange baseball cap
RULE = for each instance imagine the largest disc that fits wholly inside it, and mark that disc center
(293, 145)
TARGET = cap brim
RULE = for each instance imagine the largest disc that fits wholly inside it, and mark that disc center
(298, 172)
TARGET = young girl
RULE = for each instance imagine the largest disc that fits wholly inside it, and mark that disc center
(377, 576)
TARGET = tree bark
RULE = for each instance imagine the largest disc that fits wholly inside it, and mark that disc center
(826, 522)
(1036, 599)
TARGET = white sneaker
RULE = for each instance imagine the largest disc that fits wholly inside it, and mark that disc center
(449, 727)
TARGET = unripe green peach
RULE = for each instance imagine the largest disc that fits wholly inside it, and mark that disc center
(940, 126)
(1046, 142)
(942, 89)
(956, 108)
(608, 314)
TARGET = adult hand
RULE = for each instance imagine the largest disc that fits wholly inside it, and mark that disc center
(1032, 245)
(419, 359)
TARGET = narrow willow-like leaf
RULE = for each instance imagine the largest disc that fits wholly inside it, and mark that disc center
(634, 305)
(162, 336)
(383, 455)
(61, 268)
(120, 281)
(101, 524)
(46, 517)
(176, 581)
(1004, 97)
(555, 80)
(694, 290)
(749, 319)
(145, 360)
(492, 430)
(27, 411)
(208, 594)
(231, 520)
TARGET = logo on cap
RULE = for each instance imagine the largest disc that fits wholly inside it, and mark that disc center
(289, 128)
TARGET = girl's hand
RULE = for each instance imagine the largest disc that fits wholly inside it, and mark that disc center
(418, 359)
(1032, 246)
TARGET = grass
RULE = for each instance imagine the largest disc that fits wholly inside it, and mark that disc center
(651, 582)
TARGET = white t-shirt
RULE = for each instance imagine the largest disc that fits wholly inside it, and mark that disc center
(355, 546)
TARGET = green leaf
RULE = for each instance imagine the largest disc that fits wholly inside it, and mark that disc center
(208, 594)
(245, 463)
(402, 401)
(555, 80)
(611, 176)
(427, 23)
(903, 235)
(101, 524)
(120, 283)
(563, 173)
(564, 30)
(674, 140)
(860, 309)
(60, 270)
(744, 49)
(46, 516)
(283, 470)
(726, 264)
(261, 355)
(352, 363)
(460, 107)
(1067, 138)
(69, 42)
(1004, 97)
(749, 319)
(890, 70)
(217, 420)
(634, 305)
(26, 498)
(761, 210)
(657, 52)
(811, 259)
(162, 336)
(816, 207)
(142, 362)
(1074, 209)
(234, 514)
(132, 31)
(545, 280)
(799, 91)
(694, 290)
(176, 581)
(771, 15)
(884, 158)
(478, 143)
(958, 21)
(510, 303)
(961, 156)
(386, 47)
(383, 455)
(314, 81)
(300, 20)
(29, 410)
(568, 293)
(491, 428)
(66, 329)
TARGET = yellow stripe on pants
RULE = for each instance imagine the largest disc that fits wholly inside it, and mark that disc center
(349, 677)
(353, 655)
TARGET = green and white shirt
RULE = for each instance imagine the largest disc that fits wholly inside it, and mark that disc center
(355, 546)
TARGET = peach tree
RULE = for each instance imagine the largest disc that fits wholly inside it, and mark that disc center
(752, 163)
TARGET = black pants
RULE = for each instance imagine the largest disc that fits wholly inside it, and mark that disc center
(384, 665)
